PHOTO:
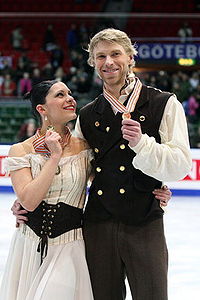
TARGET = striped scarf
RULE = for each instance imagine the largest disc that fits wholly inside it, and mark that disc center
(132, 99)
(39, 142)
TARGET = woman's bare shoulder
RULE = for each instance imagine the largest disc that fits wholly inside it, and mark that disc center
(21, 149)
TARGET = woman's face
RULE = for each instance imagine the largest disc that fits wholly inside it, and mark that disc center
(60, 106)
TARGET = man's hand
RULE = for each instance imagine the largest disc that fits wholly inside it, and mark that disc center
(163, 194)
(18, 211)
(131, 131)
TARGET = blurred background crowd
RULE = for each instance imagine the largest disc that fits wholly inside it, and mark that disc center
(40, 41)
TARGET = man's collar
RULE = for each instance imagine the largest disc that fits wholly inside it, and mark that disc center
(129, 88)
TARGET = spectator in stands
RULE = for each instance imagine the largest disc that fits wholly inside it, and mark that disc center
(97, 86)
(76, 58)
(49, 39)
(27, 130)
(197, 3)
(25, 61)
(152, 80)
(72, 37)
(185, 33)
(72, 72)
(73, 85)
(192, 133)
(19, 71)
(8, 86)
(162, 81)
(57, 57)
(6, 65)
(17, 38)
(193, 105)
(198, 98)
(184, 86)
(36, 76)
(47, 72)
(83, 85)
(83, 34)
(1, 83)
(194, 80)
(59, 75)
(176, 89)
(25, 84)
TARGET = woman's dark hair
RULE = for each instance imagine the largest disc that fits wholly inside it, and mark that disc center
(38, 95)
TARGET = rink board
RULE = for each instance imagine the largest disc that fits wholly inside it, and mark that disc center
(189, 186)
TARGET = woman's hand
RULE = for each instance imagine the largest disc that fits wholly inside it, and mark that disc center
(18, 212)
(163, 194)
(52, 140)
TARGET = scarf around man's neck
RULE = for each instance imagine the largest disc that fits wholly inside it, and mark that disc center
(130, 106)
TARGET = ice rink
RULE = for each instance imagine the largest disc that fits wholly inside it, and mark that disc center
(182, 227)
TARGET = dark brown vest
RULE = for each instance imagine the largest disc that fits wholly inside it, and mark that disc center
(119, 191)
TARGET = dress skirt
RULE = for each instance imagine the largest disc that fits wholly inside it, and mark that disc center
(63, 274)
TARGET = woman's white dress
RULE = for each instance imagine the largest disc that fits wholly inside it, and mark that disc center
(63, 274)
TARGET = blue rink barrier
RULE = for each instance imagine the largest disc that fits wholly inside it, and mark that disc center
(184, 192)
(6, 189)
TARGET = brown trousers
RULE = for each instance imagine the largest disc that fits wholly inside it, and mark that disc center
(115, 250)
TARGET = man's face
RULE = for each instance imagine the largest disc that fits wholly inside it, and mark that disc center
(111, 63)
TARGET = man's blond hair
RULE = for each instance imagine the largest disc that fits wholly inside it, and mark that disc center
(111, 35)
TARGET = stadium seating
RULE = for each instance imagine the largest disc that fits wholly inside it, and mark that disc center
(12, 116)
(170, 6)
(51, 6)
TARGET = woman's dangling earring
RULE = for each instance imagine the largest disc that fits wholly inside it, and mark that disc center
(50, 127)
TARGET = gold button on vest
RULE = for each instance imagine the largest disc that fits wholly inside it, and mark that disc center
(96, 124)
(107, 129)
(100, 192)
(98, 169)
(142, 118)
(122, 146)
(122, 168)
(122, 191)
(96, 150)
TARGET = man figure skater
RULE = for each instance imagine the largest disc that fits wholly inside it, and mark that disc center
(139, 137)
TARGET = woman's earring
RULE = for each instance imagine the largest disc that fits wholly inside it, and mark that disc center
(45, 118)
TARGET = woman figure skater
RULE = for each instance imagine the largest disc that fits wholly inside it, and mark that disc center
(49, 173)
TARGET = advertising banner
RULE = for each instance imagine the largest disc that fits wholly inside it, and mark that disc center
(168, 51)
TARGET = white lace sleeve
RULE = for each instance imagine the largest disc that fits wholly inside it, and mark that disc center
(16, 163)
